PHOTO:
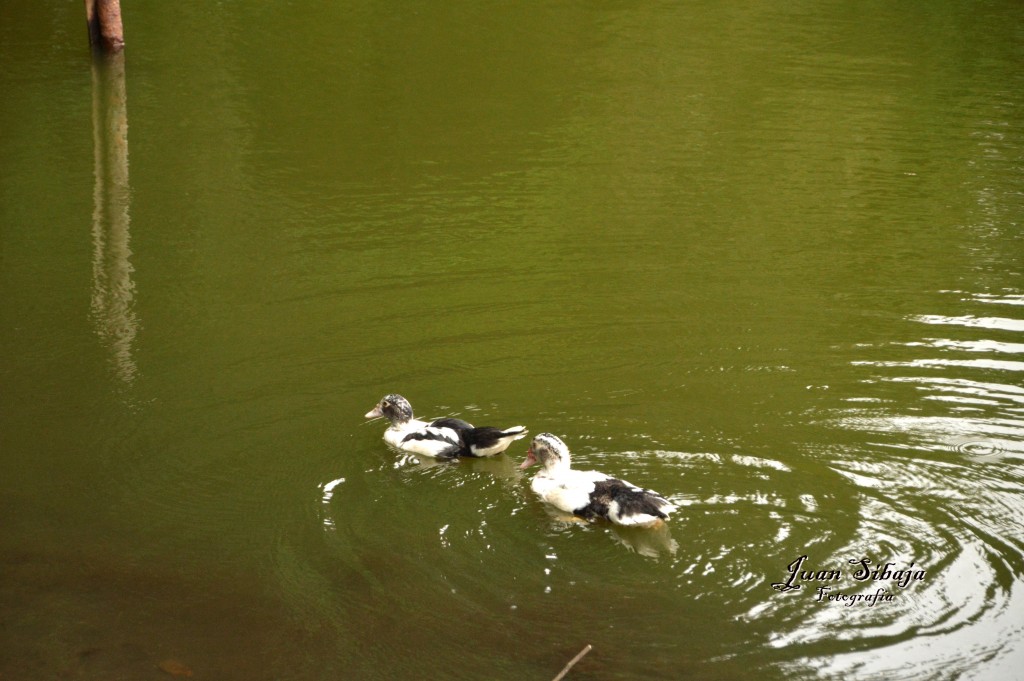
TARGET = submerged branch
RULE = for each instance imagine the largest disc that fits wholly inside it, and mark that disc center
(573, 661)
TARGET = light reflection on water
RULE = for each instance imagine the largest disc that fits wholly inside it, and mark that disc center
(943, 488)
(996, 323)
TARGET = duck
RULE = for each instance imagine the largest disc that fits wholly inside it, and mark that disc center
(444, 438)
(591, 495)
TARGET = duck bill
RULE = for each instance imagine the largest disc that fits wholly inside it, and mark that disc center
(530, 460)
(374, 413)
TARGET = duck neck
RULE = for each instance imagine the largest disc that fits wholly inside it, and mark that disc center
(556, 467)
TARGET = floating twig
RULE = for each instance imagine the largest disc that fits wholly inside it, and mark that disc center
(566, 668)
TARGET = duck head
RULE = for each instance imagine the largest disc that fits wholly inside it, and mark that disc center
(549, 450)
(394, 408)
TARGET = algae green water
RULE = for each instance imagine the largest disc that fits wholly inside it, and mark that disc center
(765, 258)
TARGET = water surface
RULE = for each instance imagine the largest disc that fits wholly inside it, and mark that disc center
(763, 259)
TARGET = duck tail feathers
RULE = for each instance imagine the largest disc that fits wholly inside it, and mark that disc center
(488, 441)
(636, 507)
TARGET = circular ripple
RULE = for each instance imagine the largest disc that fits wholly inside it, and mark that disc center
(978, 448)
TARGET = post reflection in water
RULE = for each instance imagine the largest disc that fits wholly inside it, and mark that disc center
(113, 290)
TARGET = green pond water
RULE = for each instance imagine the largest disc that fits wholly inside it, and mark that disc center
(762, 257)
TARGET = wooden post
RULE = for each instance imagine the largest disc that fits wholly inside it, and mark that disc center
(106, 31)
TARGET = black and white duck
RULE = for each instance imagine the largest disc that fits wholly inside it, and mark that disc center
(591, 494)
(442, 438)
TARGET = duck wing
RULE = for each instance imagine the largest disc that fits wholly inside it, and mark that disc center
(626, 504)
(431, 441)
(451, 422)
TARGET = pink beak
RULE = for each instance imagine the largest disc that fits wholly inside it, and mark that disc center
(374, 413)
(530, 460)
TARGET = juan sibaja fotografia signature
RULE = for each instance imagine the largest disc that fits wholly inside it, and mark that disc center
(867, 571)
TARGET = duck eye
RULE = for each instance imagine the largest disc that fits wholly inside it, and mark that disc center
(385, 404)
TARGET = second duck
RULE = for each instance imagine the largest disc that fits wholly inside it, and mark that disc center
(591, 494)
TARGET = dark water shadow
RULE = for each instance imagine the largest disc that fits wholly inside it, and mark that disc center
(84, 614)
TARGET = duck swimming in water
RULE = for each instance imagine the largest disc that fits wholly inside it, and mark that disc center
(442, 438)
(591, 494)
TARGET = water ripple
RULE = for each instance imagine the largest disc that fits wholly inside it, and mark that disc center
(940, 483)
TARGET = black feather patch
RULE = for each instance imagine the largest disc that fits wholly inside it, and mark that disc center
(453, 423)
(438, 435)
(484, 437)
(453, 449)
(631, 501)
